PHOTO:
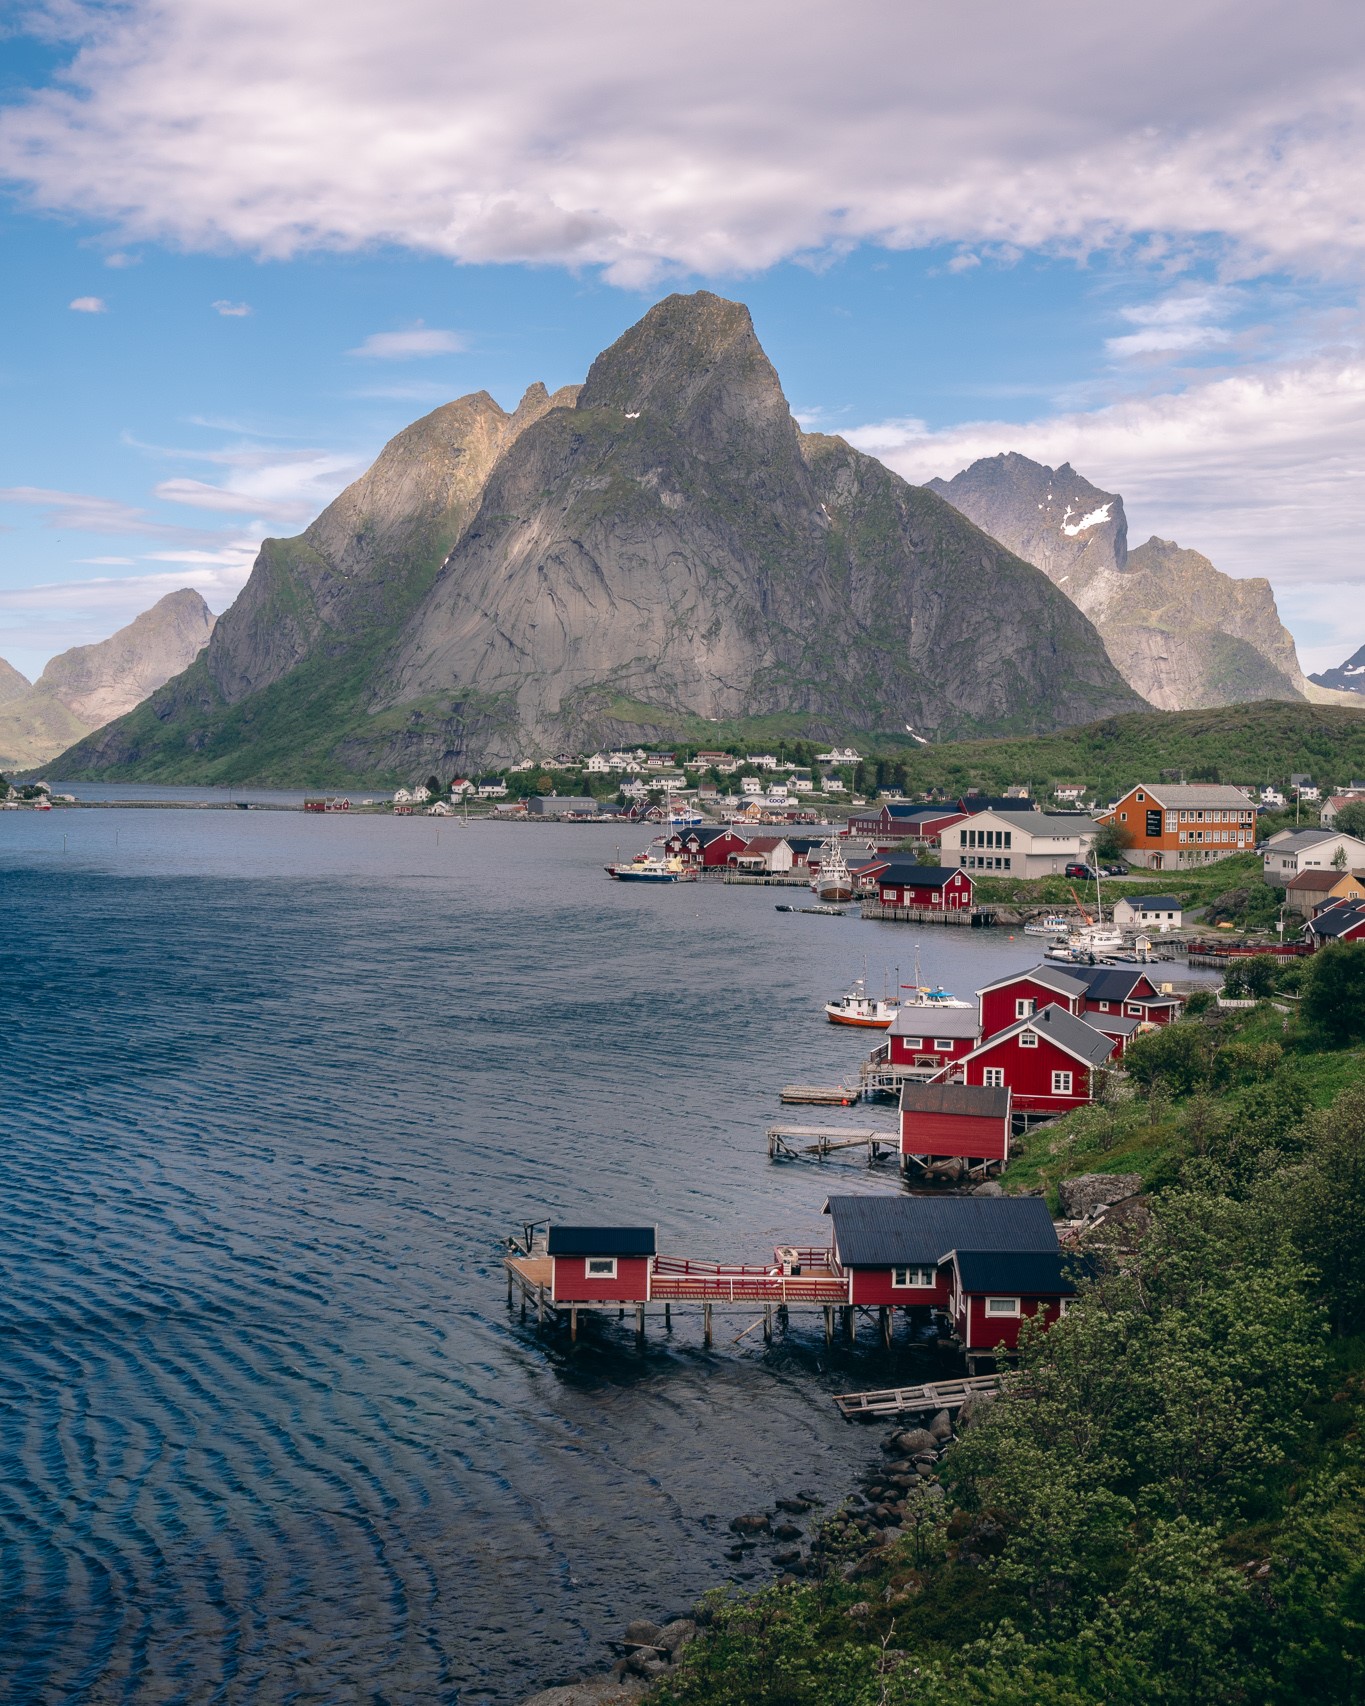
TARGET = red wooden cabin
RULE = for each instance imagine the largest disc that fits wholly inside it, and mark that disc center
(994, 1291)
(901, 882)
(601, 1264)
(1126, 990)
(897, 1251)
(947, 1121)
(1009, 999)
(1344, 921)
(706, 848)
(1046, 1061)
(930, 1036)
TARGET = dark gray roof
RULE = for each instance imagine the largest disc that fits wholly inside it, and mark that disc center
(906, 873)
(1337, 920)
(1153, 902)
(1073, 1034)
(883, 1232)
(1113, 1024)
(936, 1022)
(1014, 1273)
(973, 1100)
(601, 1241)
(1109, 983)
(989, 803)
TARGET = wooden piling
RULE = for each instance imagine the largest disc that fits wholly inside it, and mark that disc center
(668, 1317)
(640, 1324)
(706, 1325)
(884, 1321)
(829, 1324)
(573, 1323)
(847, 1314)
(767, 1323)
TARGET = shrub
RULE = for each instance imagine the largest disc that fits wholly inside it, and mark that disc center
(1334, 993)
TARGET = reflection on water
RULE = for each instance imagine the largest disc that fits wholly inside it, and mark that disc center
(275, 1089)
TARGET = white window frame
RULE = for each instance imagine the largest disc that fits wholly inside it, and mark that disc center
(914, 1042)
(993, 1077)
(1134, 1010)
(1010, 1306)
(599, 1267)
(913, 1278)
(1028, 1039)
(944, 1045)
(1024, 1007)
(1104, 1006)
(1062, 1083)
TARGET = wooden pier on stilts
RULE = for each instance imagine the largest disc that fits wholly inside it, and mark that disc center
(799, 1142)
(915, 1400)
(822, 1095)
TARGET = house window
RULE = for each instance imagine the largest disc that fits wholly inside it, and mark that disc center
(904, 1279)
(993, 1077)
(1061, 1083)
(1063, 1305)
(601, 1267)
(1002, 1306)
(1134, 1010)
(1123, 817)
(1139, 796)
(1104, 1006)
(944, 1044)
(1007, 864)
(914, 1042)
(1028, 1039)
(1025, 1008)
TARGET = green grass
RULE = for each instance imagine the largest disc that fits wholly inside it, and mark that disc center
(1195, 887)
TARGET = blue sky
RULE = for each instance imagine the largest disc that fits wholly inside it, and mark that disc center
(214, 315)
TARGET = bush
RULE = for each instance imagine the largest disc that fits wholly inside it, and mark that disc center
(1176, 1059)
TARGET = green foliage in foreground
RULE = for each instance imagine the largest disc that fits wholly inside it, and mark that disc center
(1168, 1503)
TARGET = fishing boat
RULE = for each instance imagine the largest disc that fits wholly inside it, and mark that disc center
(924, 995)
(649, 868)
(856, 1007)
(1052, 926)
(833, 882)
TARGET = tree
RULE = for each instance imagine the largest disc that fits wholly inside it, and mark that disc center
(434, 787)
(1112, 842)
(1334, 994)
(1328, 1206)
(1177, 1058)
(1350, 820)
(1255, 977)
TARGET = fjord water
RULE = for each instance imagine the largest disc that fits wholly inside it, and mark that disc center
(276, 1087)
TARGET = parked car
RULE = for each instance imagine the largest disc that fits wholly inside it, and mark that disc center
(1076, 870)
(1115, 870)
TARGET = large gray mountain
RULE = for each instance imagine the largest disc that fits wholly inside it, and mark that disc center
(662, 547)
(88, 686)
(1180, 632)
(12, 684)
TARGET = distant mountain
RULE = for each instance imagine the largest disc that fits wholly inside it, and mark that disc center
(1180, 632)
(662, 547)
(1348, 677)
(12, 684)
(88, 686)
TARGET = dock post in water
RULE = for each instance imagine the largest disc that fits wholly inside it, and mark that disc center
(847, 1313)
(706, 1325)
(767, 1323)
(573, 1323)
(668, 1317)
(829, 1325)
(884, 1320)
(640, 1325)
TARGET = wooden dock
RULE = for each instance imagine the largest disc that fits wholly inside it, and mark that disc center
(797, 1142)
(822, 1095)
(961, 915)
(915, 1400)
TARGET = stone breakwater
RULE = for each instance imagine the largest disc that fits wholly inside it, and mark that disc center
(895, 1495)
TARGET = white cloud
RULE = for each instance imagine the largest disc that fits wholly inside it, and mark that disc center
(419, 340)
(1263, 472)
(81, 512)
(89, 305)
(119, 260)
(621, 135)
(231, 310)
(110, 561)
(1180, 323)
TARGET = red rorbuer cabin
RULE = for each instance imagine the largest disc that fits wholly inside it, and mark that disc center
(955, 1121)
(601, 1264)
(930, 1037)
(995, 1291)
(901, 882)
(1047, 1061)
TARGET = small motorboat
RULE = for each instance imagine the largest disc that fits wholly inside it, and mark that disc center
(856, 1007)
(825, 911)
(650, 868)
(921, 995)
(1053, 926)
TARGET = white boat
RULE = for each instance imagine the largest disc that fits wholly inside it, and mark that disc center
(650, 868)
(856, 1007)
(1054, 926)
(833, 882)
(921, 995)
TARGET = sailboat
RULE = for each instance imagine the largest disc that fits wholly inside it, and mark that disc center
(833, 882)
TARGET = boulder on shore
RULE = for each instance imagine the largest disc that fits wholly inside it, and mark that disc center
(906, 1444)
(1081, 1196)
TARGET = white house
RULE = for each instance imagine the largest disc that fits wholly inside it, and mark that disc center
(1328, 815)
(420, 794)
(441, 809)
(762, 761)
(837, 755)
(750, 786)
(1149, 912)
(1293, 851)
(833, 784)
(493, 790)
(1024, 844)
(1272, 797)
(598, 764)
(402, 797)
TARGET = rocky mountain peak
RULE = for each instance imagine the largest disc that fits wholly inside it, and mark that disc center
(1051, 517)
(100, 682)
(694, 363)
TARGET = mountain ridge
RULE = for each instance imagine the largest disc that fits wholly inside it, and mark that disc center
(663, 541)
(1181, 632)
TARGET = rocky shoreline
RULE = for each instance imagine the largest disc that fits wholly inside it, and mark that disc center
(894, 1495)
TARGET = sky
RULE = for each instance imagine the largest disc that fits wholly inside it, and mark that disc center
(244, 242)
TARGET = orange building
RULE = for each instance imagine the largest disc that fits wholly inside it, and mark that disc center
(1181, 824)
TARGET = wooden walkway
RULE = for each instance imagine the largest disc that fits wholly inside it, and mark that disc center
(902, 1400)
(796, 1142)
(961, 915)
(822, 1095)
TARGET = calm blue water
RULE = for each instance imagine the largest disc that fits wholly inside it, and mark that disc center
(275, 1088)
